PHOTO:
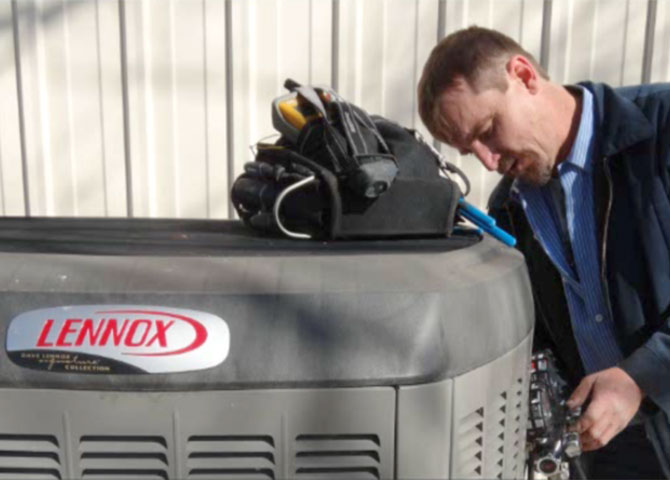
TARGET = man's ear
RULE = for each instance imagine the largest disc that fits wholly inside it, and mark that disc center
(520, 69)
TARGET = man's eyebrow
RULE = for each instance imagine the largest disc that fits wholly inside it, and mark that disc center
(446, 133)
(478, 128)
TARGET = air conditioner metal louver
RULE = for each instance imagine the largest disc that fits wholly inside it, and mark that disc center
(337, 456)
(470, 444)
(29, 457)
(495, 435)
(518, 416)
(123, 457)
(231, 457)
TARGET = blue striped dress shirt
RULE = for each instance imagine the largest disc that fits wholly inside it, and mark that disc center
(580, 268)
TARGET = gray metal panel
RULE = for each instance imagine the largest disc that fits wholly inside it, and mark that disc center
(272, 434)
(489, 417)
(424, 430)
(472, 426)
(317, 319)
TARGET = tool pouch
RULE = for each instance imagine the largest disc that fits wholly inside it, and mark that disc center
(347, 142)
(371, 178)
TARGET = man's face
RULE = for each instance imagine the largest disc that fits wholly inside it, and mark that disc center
(507, 131)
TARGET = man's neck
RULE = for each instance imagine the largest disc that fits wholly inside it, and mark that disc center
(571, 102)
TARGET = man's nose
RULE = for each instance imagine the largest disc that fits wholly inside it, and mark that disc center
(485, 155)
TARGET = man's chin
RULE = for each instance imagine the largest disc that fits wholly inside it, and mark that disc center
(533, 179)
(532, 172)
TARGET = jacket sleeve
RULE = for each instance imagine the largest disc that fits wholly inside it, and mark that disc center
(649, 364)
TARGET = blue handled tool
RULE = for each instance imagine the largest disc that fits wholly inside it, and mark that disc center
(475, 212)
(485, 222)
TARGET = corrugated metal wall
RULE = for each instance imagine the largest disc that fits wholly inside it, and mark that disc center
(148, 107)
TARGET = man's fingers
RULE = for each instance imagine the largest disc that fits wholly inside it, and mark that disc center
(599, 428)
(595, 439)
(614, 399)
(582, 391)
(594, 417)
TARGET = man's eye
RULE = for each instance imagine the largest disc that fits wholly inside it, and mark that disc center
(487, 134)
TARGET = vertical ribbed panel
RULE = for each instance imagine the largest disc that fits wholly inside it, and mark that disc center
(583, 47)
(660, 64)
(231, 457)
(71, 107)
(24, 457)
(123, 457)
(11, 152)
(199, 95)
(337, 456)
(167, 54)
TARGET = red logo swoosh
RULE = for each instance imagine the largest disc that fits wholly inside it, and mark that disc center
(200, 332)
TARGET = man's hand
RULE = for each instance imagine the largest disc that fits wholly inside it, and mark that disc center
(615, 398)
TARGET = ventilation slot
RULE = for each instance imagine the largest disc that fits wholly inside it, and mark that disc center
(231, 457)
(337, 456)
(470, 436)
(516, 416)
(123, 457)
(29, 457)
(495, 436)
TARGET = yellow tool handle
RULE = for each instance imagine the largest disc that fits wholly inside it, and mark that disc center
(291, 113)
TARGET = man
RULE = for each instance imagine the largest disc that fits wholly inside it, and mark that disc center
(586, 191)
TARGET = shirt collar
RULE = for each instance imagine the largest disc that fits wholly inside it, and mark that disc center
(579, 155)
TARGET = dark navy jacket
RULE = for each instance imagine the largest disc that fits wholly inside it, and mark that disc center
(632, 189)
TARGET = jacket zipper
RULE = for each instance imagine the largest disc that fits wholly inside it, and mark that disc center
(603, 259)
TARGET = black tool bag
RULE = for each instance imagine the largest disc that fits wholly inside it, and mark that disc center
(347, 175)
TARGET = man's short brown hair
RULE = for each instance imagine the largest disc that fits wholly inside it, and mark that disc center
(475, 54)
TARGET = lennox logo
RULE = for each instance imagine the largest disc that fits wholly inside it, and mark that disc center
(139, 329)
(150, 339)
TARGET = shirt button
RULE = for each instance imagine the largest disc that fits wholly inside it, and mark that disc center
(599, 318)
